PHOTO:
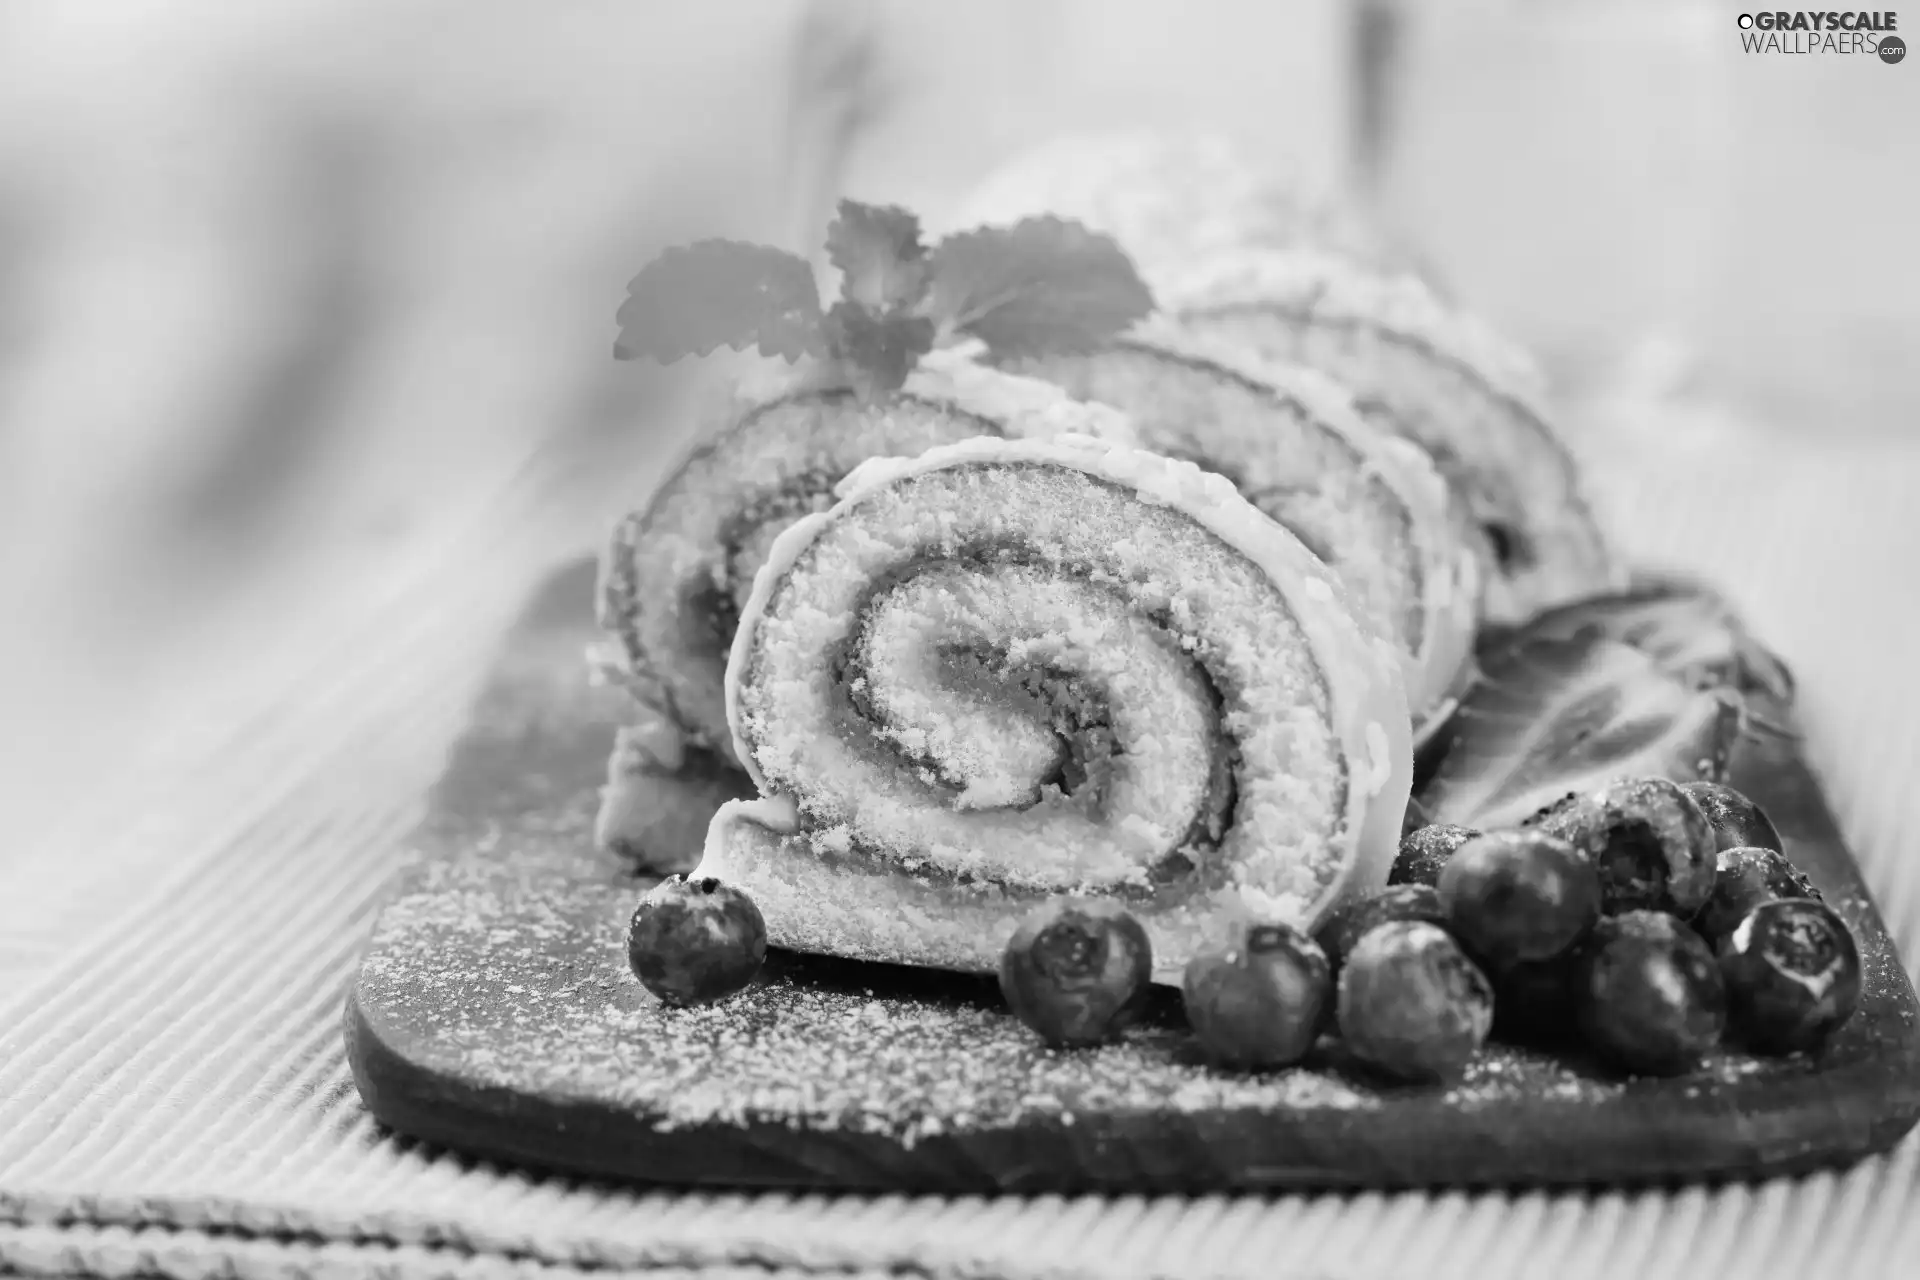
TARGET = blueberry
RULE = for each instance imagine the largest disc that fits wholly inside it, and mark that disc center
(1650, 843)
(1792, 973)
(1744, 879)
(695, 941)
(1533, 1001)
(1077, 970)
(1519, 895)
(1425, 850)
(1411, 1004)
(1356, 917)
(1649, 994)
(1258, 995)
(1738, 823)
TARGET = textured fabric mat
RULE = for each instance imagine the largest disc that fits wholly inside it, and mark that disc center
(174, 1099)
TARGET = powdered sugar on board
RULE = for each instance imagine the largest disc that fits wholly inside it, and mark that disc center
(530, 991)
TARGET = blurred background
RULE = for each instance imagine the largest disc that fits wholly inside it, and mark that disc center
(295, 294)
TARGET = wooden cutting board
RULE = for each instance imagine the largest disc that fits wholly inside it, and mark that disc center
(494, 1013)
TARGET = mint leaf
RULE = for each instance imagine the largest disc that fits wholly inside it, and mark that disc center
(880, 351)
(721, 293)
(877, 248)
(1041, 286)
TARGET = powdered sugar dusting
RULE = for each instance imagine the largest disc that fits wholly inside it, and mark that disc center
(525, 986)
(1502, 1075)
(516, 980)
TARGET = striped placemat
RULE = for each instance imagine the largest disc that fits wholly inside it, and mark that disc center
(174, 1101)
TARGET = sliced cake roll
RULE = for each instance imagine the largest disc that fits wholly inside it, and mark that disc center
(678, 571)
(1370, 504)
(1421, 370)
(1008, 669)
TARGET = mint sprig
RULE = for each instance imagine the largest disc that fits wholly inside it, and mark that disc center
(1040, 286)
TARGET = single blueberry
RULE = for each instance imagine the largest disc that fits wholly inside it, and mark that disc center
(1411, 1004)
(695, 941)
(1077, 970)
(1649, 994)
(1257, 995)
(1512, 896)
(1792, 971)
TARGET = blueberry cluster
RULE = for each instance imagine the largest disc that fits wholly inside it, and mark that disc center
(1648, 920)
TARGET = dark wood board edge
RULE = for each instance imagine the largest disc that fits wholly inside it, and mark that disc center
(1588, 1146)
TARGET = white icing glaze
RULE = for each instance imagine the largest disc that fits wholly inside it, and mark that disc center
(1379, 758)
(1027, 406)
(775, 813)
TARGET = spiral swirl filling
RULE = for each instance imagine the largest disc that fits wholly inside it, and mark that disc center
(1026, 676)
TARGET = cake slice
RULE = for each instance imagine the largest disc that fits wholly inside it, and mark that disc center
(1009, 669)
